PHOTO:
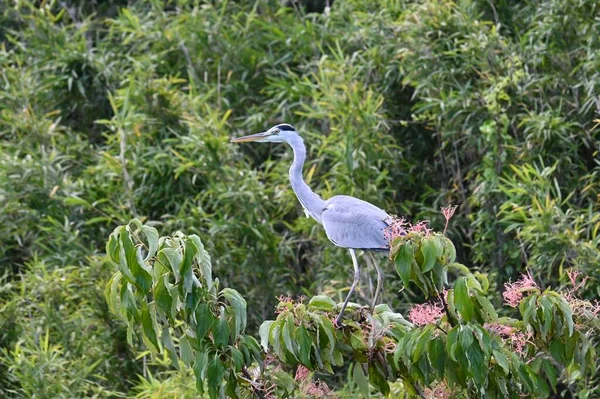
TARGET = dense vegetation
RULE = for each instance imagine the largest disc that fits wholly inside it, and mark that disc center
(114, 110)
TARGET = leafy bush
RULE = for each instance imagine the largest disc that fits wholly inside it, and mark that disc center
(118, 109)
(165, 292)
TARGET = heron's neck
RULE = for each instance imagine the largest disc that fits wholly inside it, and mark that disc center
(311, 202)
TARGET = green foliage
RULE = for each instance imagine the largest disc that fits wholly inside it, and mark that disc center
(469, 350)
(164, 288)
(117, 109)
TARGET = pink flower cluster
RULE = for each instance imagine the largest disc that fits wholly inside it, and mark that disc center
(448, 212)
(398, 227)
(514, 291)
(426, 313)
(580, 307)
(517, 339)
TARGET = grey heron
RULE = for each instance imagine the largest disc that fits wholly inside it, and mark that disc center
(349, 222)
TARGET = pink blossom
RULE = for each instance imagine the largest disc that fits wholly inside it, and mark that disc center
(516, 339)
(301, 373)
(422, 227)
(448, 212)
(582, 307)
(500, 329)
(426, 313)
(514, 291)
(398, 227)
(519, 340)
(573, 274)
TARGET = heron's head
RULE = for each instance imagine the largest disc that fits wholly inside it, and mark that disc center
(277, 134)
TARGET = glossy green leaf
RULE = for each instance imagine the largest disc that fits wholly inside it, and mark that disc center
(214, 376)
(221, 330)
(501, 360)
(162, 297)
(429, 252)
(186, 351)
(149, 325)
(264, 331)
(304, 346)
(404, 260)
(462, 300)
(437, 356)
(359, 377)
(239, 306)
(321, 302)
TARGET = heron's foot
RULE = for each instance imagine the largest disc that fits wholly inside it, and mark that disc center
(338, 320)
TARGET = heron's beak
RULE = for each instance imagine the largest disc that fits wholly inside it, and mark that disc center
(252, 137)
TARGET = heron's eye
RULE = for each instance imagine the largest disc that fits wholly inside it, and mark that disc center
(276, 131)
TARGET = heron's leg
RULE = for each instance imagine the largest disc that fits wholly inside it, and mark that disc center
(338, 321)
(379, 283)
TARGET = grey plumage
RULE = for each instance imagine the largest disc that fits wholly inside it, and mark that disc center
(349, 222)
(353, 223)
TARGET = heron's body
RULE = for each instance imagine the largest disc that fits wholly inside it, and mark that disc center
(349, 222)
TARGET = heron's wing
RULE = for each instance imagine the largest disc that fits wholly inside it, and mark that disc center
(353, 223)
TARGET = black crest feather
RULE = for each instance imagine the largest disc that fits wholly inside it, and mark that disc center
(285, 126)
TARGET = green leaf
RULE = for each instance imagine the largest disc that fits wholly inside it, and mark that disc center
(449, 251)
(466, 337)
(378, 380)
(237, 357)
(487, 307)
(149, 326)
(462, 300)
(484, 339)
(173, 261)
(284, 381)
(214, 376)
(205, 320)
(186, 351)
(263, 332)
(429, 254)
(557, 349)
(239, 306)
(111, 293)
(567, 314)
(186, 265)
(452, 342)
(168, 343)
(501, 360)
(304, 346)
(476, 364)
(404, 260)
(221, 331)
(76, 201)
(551, 373)
(321, 302)
(287, 332)
(129, 262)
(200, 370)
(329, 331)
(422, 343)
(162, 297)
(357, 340)
(203, 259)
(360, 379)
(437, 356)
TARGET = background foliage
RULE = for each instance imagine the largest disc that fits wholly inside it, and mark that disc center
(115, 109)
